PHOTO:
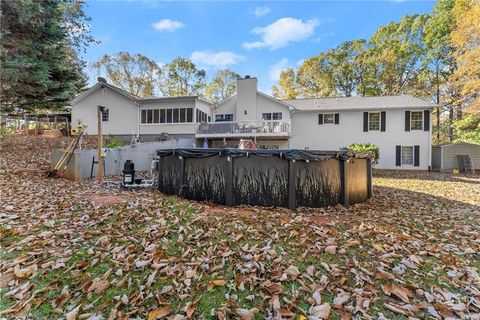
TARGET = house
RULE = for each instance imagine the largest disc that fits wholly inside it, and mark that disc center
(399, 125)
(127, 115)
(448, 156)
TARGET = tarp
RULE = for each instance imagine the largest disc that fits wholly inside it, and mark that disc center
(288, 154)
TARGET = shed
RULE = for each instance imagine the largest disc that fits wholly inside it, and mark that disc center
(448, 156)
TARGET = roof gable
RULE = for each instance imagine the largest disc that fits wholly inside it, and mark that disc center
(99, 85)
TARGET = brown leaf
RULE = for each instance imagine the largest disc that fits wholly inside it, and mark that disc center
(322, 311)
(72, 315)
(341, 299)
(246, 314)
(400, 292)
(160, 312)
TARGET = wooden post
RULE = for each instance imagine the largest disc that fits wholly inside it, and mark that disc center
(345, 192)
(55, 125)
(292, 188)
(229, 181)
(26, 122)
(369, 178)
(99, 143)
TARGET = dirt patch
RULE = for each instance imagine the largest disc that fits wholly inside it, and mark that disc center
(52, 133)
(232, 211)
(108, 200)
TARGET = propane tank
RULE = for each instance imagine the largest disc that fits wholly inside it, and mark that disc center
(128, 172)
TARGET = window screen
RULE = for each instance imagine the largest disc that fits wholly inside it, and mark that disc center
(407, 155)
(374, 121)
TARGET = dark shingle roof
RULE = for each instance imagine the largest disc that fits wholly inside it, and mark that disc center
(359, 103)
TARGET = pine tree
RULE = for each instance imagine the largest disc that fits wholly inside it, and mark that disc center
(40, 68)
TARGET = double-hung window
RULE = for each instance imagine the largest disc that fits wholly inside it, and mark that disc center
(416, 120)
(105, 115)
(272, 116)
(223, 117)
(374, 121)
(407, 155)
(328, 118)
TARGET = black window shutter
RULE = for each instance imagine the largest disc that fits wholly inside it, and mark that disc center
(383, 121)
(407, 120)
(337, 118)
(426, 120)
(416, 156)
(365, 122)
(320, 118)
(398, 156)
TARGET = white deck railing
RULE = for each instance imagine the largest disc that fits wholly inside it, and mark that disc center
(245, 128)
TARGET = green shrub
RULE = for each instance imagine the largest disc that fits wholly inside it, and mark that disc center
(113, 143)
(364, 147)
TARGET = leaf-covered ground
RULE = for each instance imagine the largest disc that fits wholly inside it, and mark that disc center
(82, 251)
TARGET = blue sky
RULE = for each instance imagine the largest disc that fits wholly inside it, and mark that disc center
(255, 38)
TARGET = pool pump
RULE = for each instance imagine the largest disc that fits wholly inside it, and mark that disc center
(128, 173)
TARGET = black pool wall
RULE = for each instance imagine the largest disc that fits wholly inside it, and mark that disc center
(280, 178)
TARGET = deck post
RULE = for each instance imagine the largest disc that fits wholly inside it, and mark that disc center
(229, 181)
(292, 201)
(369, 178)
(345, 193)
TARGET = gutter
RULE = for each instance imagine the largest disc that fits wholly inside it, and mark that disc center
(138, 119)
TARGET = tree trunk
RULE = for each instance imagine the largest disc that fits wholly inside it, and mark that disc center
(450, 122)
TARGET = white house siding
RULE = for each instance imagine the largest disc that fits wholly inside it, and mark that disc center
(306, 132)
(123, 113)
(203, 106)
(228, 106)
(265, 104)
(450, 152)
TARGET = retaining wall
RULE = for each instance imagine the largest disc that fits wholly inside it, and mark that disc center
(142, 154)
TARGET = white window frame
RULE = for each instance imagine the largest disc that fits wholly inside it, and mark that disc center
(333, 118)
(379, 121)
(421, 120)
(413, 156)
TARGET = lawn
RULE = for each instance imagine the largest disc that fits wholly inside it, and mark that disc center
(82, 251)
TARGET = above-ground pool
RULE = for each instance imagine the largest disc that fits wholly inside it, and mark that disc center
(281, 178)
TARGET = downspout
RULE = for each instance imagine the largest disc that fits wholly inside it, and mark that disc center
(430, 143)
(138, 120)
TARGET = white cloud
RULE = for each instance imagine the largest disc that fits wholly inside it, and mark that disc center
(216, 59)
(261, 11)
(300, 62)
(277, 68)
(282, 32)
(167, 25)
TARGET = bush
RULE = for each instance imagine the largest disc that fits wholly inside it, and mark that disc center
(364, 147)
(113, 143)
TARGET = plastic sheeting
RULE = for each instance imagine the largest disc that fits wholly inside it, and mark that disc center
(290, 154)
